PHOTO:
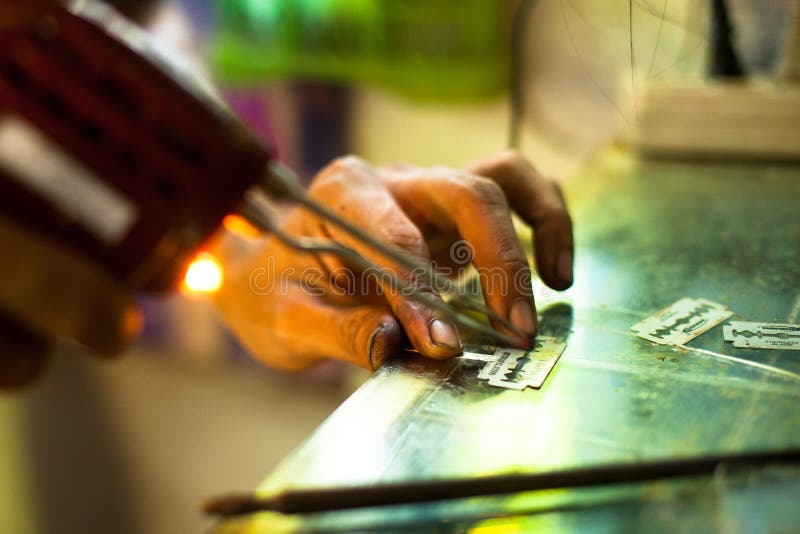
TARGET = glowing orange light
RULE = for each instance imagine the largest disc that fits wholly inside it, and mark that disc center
(239, 225)
(204, 274)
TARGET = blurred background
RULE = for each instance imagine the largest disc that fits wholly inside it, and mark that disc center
(135, 444)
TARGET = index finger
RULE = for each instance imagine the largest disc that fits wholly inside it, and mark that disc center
(476, 209)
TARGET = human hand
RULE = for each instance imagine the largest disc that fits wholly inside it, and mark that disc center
(49, 292)
(292, 310)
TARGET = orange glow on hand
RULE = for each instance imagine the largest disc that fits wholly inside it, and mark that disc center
(240, 226)
(204, 275)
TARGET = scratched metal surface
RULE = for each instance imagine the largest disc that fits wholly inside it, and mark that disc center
(647, 235)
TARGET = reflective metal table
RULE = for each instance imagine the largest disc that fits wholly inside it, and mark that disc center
(647, 235)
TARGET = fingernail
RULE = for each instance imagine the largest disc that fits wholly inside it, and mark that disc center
(443, 333)
(564, 266)
(384, 341)
(521, 316)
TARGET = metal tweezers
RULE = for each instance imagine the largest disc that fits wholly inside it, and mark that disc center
(280, 184)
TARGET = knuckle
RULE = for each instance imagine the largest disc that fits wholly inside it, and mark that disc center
(512, 156)
(436, 174)
(551, 208)
(325, 183)
(504, 251)
(346, 163)
(349, 329)
(407, 238)
(509, 255)
(393, 227)
(484, 191)
(513, 162)
(341, 172)
(444, 171)
(553, 213)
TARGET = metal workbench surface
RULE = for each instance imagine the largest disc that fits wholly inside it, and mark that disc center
(647, 234)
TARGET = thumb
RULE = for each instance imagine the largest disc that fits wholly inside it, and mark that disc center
(295, 327)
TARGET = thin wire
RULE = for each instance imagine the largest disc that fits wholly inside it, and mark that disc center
(586, 68)
(317, 246)
(672, 22)
(658, 40)
(402, 258)
(586, 20)
(255, 210)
